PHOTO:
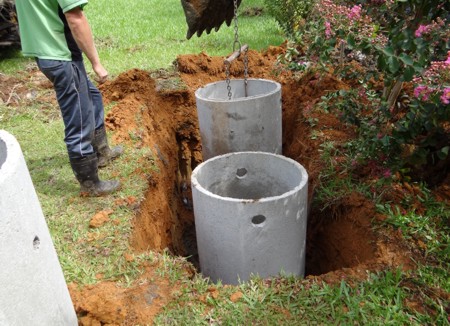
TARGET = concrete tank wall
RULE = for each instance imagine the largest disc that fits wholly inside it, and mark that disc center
(251, 123)
(250, 216)
(32, 286)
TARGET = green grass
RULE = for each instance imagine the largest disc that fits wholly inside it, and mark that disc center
(335, 181)
(11, 60)
(381, 300)
(150, 34)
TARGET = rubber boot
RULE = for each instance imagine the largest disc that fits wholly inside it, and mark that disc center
(86, 172)
(104, 153)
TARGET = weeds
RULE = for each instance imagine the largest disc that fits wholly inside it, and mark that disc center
(429, 229)
(335, 180)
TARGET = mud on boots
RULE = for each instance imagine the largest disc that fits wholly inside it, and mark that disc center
(105, 154)
(86, 172)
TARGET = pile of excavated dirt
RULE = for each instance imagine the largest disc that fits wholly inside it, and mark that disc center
(157, 110)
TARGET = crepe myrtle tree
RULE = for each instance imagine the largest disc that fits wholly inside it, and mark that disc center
(408, 41)
(417, 52)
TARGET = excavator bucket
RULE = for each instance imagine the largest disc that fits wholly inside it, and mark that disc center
(204, 15)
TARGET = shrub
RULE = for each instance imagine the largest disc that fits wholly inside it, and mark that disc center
(408, 42)
(289, 13)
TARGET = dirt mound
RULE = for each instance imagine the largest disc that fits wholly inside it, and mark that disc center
(108, 303)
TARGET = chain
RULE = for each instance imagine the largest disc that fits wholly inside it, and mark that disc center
(238, 44)
(227, 72)
(246, 71)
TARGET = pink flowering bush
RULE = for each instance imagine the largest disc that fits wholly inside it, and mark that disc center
(435, 80)
(445, 97)
(417, 53)
(425, 30)
(404, 43)
(355, 13)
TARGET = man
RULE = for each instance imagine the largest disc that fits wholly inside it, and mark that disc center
(56, 32)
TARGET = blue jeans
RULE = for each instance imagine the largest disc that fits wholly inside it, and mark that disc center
(80, 102)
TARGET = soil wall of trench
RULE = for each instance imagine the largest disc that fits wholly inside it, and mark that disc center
(158, 110)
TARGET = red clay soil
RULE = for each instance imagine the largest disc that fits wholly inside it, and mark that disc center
(107, 303)
(158, 111)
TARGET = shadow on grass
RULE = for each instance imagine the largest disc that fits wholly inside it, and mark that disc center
(52, 175)
(12, 60)
(10, 52)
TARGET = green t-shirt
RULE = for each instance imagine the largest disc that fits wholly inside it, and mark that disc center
(43, 29)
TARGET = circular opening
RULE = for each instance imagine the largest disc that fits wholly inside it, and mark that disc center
(241, 173)
(36, 243)
(271, 176)
(256, 88)
(3, 152)
(258, 220)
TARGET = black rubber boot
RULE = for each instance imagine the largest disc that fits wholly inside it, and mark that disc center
(105, 154)
(86, 172)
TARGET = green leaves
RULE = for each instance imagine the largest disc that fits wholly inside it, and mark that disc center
(351, 42)
(408, 74)
(443, 152)
(393, 64)
(398, 66)
(406, 59)
(388, 51)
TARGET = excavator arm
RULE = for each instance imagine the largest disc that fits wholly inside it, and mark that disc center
(204, 15)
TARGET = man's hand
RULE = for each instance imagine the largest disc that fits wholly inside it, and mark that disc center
(100, 71)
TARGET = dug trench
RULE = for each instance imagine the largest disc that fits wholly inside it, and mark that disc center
(158, 110)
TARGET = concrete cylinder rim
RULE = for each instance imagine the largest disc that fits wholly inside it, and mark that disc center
(196, 184)
(240, 99)
(12, 155)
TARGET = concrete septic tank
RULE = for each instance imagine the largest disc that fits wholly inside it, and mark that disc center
(239, 124)
(250, 216)
(32, 286)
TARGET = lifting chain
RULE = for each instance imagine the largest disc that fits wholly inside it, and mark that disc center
(236, 53)
(227, 73)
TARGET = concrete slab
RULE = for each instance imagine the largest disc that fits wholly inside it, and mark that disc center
(33, 290)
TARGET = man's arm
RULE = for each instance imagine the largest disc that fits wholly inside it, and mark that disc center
(82, 34)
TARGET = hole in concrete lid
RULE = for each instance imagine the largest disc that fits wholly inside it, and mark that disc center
(258, 220)
(3, 153)
(36, 243)
(241, 173)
